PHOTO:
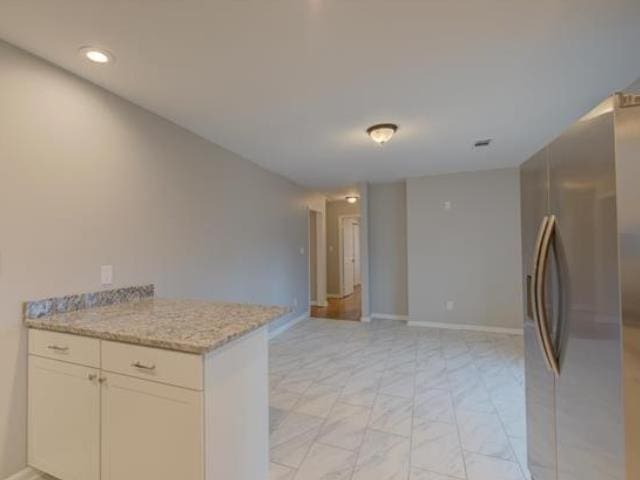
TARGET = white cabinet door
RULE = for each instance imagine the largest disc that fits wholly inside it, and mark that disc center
(64, 419)
(150, 430)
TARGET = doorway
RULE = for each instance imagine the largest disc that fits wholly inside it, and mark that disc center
(343, 267)
(317, 260)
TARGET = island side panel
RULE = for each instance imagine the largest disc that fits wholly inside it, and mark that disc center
(236, 409)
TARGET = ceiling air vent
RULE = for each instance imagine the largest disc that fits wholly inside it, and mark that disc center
(626, 100)
(482, 143)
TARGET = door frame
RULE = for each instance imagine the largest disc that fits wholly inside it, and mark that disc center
(341, 219)
(321, 300)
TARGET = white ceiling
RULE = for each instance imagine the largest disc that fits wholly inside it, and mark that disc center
(293, 84)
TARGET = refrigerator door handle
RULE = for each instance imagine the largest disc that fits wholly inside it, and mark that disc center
(533, 291)
(540, 297)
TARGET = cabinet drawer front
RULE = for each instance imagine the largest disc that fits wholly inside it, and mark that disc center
(62, 346)
(165, 366)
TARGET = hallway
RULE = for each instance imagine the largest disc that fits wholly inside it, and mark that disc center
(347, 308)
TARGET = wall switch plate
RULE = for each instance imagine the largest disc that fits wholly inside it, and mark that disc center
(447, 205)
(449, 305)
(301, 250)
(295, 303)
(106, 275)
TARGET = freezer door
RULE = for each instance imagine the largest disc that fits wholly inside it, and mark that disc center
(628, 191)
(539, 381)
(582, 195)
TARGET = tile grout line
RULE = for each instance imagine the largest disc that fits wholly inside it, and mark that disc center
(455, 417)
(324, 421)
(502, 426)
(413, 417)
(373, 404)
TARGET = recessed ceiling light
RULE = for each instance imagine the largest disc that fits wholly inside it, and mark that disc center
(483, 143)
(382, 132)
(97, 55)
(352, 198)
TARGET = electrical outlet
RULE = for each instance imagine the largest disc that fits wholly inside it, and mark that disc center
(449, 305)
(106, 275)
(295, 303)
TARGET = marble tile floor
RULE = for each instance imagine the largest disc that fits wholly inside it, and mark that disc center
(384, 401)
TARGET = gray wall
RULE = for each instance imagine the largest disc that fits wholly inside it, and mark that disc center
(469, 254)
(335, 209)
(87, 179)
(388, 248)
(363, 208)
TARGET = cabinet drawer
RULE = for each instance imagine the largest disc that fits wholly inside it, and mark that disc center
(173, 368)
(62, 346)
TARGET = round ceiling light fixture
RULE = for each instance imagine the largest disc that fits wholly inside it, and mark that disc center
(97, 55)
(382, 132)
(352, 198)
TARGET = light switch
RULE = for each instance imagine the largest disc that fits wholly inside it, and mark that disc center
(301, 250)
(447, 205)
(106, 274)
(449, 305)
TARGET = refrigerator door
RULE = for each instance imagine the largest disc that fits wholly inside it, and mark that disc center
(582, 195)
(628, 191)
(539, 381)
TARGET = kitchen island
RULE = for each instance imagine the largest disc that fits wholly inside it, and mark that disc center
(126, 386)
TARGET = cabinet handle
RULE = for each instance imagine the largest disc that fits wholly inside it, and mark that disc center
(143, 366)
(92, 376)
(102, 379)
(58, 348)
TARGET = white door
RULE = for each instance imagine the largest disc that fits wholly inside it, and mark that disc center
(348, 257)
(150, 430)
(64, 419)
(356, 254)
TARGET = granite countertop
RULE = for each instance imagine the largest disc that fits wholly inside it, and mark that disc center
(193, 326)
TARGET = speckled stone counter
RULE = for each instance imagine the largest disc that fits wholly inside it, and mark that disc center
(193, 326)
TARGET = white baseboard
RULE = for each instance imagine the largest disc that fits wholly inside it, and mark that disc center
(319, 304)
(284, 327)
(27, 474)
(387, 316)
(365, 319)
(461, 326)
(334, 295)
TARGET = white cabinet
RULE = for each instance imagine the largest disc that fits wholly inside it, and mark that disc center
(102, 410)
(64, 419)
(150, 430)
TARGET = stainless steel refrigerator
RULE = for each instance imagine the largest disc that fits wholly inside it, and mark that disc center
(580, 200)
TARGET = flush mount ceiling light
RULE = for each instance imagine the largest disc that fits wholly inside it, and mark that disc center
(352, 198)
(97, 55)
(382, 132)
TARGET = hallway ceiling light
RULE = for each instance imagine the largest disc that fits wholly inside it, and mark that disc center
(97, 55)
(382, 132)
(351, 198)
